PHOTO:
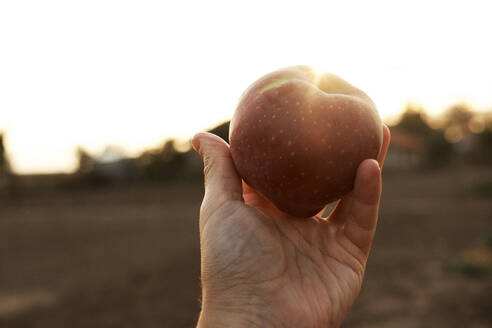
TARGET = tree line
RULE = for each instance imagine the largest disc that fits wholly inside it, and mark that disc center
(460, 135)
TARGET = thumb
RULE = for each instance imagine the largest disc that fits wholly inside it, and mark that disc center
(222, 182)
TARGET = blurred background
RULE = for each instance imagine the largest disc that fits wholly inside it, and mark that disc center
(100, 191)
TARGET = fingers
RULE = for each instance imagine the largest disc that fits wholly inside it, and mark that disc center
(384, 147)
(362, 214)
(222, 182)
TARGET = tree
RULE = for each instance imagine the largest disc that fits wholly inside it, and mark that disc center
(222, 131)
(4, 162)
(164, 163)
(86, 162)
(413, 121)
(437, 150)
(457, 121)
(8, 179)
(485, 143)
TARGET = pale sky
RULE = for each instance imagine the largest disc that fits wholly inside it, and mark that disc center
(133, 73)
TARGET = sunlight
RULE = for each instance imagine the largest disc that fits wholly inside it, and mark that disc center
(139, 74)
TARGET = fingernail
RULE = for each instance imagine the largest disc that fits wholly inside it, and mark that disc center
(195, 142)
(377, 163)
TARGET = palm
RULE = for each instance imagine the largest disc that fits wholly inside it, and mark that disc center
(307, 267)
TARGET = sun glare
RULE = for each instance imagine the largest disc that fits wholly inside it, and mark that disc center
(95, 74)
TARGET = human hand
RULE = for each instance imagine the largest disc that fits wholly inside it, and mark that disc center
(264, 268)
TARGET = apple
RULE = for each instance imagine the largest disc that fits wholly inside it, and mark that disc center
(297, 137)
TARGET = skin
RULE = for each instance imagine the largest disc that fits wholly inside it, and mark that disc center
(264, 268)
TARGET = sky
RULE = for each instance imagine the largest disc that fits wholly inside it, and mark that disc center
(134, 73)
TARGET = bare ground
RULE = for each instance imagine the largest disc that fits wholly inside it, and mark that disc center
(129, 257)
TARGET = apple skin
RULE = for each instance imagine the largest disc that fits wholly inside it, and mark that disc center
(298, 137)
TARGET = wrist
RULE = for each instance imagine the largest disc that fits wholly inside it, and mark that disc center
(240, 311)
(223, 319)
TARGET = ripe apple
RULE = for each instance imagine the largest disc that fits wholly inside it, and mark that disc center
(298, 137)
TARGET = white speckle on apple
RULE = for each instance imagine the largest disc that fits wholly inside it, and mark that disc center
(292, 153)
(338, 133)
(273, 117)
(297, 103)
(289, 142)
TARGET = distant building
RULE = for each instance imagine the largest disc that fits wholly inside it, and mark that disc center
(113, 166)
(469, 149)
(406, 151)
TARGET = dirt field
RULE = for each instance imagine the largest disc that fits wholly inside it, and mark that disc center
(130, 257)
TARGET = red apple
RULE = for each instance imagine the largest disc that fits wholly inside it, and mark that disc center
(298, 137)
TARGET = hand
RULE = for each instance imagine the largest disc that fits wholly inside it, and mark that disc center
(264, 268)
